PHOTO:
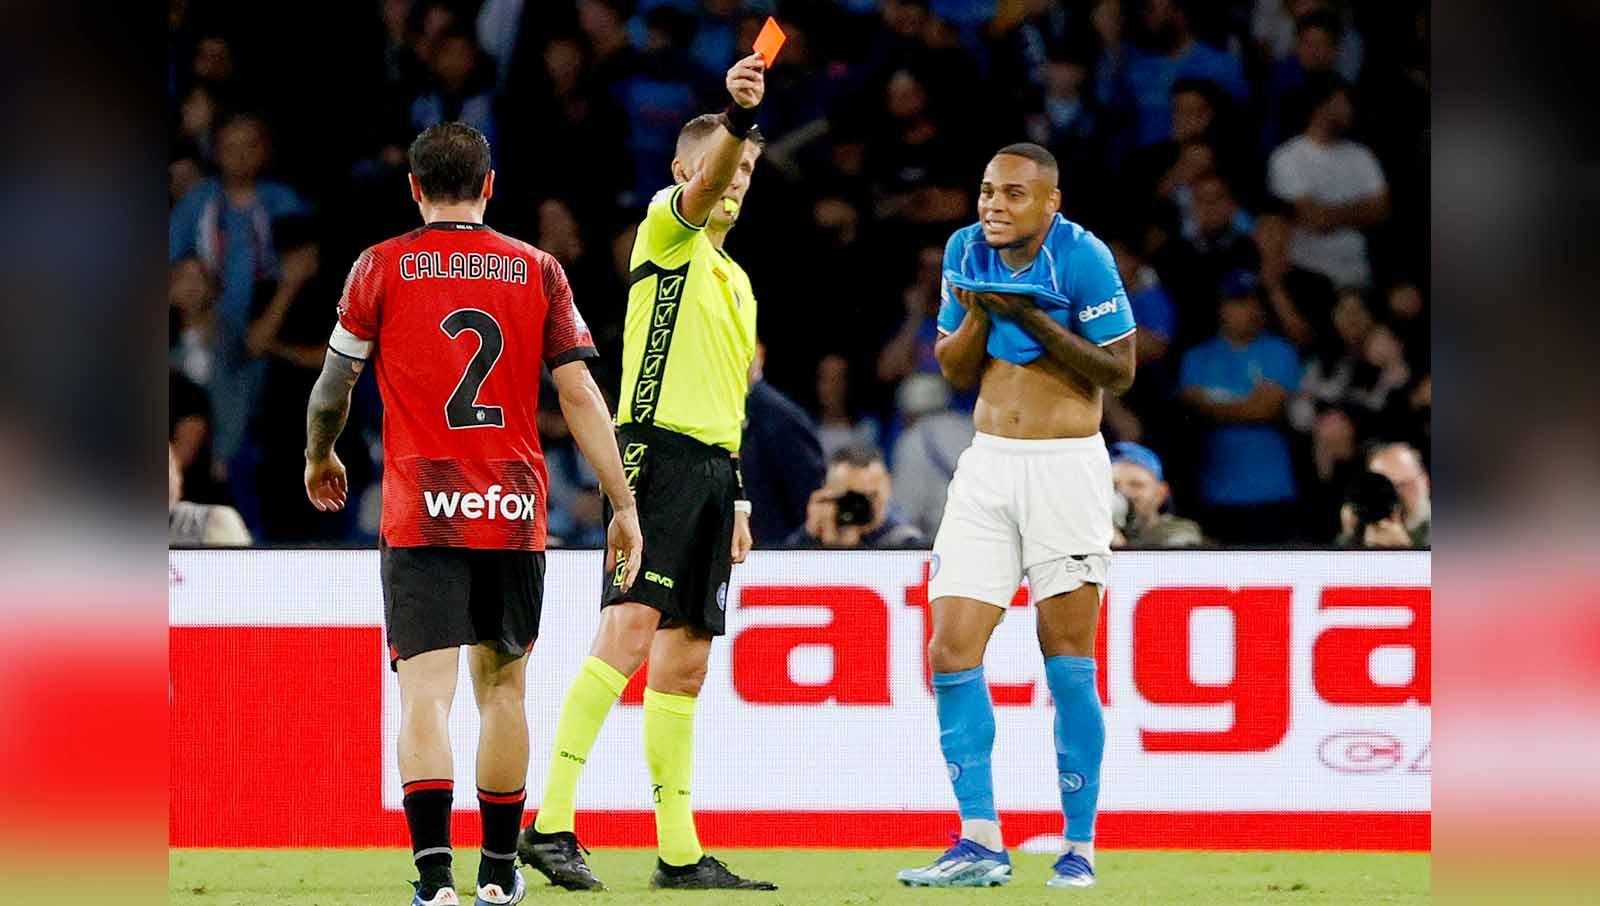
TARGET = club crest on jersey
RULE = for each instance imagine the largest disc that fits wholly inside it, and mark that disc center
(463, 266)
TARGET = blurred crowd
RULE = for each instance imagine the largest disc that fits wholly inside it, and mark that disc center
(1258, 167)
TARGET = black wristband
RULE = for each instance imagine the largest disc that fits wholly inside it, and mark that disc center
(739, 120)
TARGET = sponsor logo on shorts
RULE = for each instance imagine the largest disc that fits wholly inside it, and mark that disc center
(571, 757)
(1071, 781)
(651, 575)
(491, 504)
(1091, 312)
(722, 596)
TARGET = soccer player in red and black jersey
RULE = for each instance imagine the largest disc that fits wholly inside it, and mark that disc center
(459, 321)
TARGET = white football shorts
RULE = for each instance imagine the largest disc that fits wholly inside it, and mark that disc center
(1034, 508)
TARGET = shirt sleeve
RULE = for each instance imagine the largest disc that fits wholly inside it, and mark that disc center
(359, 307)
(1101, 311)
(1369, 174)
(183, 223)
(1156, 314)
(1285, 179)
(1189, 371)
(566, 336)
(1282, 366)
(951, 312)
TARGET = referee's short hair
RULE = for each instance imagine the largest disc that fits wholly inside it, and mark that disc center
(1039, 154)
(450, 161)
(704, 125)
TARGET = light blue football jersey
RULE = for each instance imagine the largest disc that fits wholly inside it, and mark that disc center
(1073, 279)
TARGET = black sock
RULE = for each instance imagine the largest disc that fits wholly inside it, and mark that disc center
(502, 821)
(427, 805)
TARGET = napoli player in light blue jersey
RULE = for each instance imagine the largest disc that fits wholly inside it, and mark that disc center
(1034, 312)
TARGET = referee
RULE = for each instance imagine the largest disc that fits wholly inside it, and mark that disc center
(688, 342)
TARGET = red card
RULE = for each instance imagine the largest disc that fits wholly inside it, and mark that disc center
(769, 41)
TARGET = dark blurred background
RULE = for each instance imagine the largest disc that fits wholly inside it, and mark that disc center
(1260, 168)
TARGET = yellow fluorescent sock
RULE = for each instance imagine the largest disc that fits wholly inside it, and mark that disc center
(589, 699)
(669, 749)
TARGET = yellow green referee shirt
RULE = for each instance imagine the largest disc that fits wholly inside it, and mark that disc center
(690, 332)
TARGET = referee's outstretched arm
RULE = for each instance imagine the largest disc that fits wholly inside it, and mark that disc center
(710, 179)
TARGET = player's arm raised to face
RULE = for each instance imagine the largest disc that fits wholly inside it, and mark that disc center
(1110, 366)
(961, 352)
(726, 150)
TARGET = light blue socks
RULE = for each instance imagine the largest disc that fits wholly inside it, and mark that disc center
(966, 736)
(1080, 741)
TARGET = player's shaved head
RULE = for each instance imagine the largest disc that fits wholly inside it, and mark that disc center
(1049, 170)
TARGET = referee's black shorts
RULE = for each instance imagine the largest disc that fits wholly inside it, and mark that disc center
(685, 490)
(446, 597)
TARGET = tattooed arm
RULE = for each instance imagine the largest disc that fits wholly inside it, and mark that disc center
(326, 413)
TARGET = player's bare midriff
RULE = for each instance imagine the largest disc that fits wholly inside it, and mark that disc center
(1035, 401)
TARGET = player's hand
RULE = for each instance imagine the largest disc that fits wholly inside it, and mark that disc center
(969, 301)
(822, 517)
(1005, 305)
(746, 82)
(1389, 532)
(625, 541)
(327, 487)
(742, 541)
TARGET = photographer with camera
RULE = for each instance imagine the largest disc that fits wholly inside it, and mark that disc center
(1141, 516)
(852, 508)
(1371, 515)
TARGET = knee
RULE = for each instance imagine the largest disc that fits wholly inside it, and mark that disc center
(501, 694)
(624, 640)
(948, 654)
(678, 678)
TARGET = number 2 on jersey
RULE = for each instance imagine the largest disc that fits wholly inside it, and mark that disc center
(463, 411)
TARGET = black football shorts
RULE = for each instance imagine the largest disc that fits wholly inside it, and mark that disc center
(685, 491)
(446, 597)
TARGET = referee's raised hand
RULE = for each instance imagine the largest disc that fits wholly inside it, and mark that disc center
(746, 82)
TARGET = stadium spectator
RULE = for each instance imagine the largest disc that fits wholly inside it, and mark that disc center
(838, 425)
(1217, 237)
(1290, 291)
(910, 350)
(1371, 515)
(1336, 186)
(780, 458)
(853, 508)
(1140, 78)
(1316, 51)
(191, 297)
(226, 221)
(1238, 383)
(199, 524)
(1140, 481)
(1402, 465)
(1275, 25)
(459, 89)
(918, 166)
(931, 440)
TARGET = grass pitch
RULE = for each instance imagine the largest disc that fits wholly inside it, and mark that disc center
(210, 877)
